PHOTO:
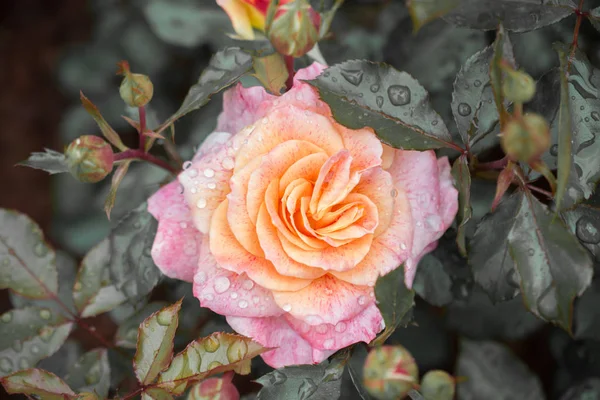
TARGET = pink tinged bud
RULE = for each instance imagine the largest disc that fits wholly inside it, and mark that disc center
(89, 158)
(295, 29)
(390, 372)
(136, 90)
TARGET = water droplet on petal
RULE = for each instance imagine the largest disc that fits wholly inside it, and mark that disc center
(234, 295)
(200, 277)
(201, 203)
(340, 327)
(228, 163)
(399, 95)
(322, 328)
(402, 246)
(394, 193)
(211, 185)
(248, 284)
(209, 297)
(255, 299)
(287, 307)
(221, 284)
(209, 173)
(464, 109)
(183, 225)
(328, 344)
(243, 304)
(362, 300)
(192, 173)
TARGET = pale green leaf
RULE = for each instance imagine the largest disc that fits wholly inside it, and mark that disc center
(50, 161)
(27, 262)
(271, 72)
(38, 382)
(155, 343)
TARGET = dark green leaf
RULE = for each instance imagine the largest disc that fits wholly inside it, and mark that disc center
(155, 343)
(226, 67)
(50, 161)
(515, 15)
(493, 372)
(594, 17)
(60, 362)
(127, 333)
(503, 51)
(38, 382)
(432, 283)
(588, 389)
(207, 356)
(300, 382)
(117, 177)
(489, 256)
(27, 262)
(423, 11)
(584, 222)
(587, 314)
(394, 301)
(462, 180)
(28, 335)
(565, 124)
(91, 373)
(366, 94)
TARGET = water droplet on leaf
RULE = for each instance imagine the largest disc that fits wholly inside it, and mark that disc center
(6, 365)
(237, 351)
(6, 317)
(163, 318)
(211, 344)
(464, 109)
(586, 231)
(352, 76)
(45, 313)
(399, 95)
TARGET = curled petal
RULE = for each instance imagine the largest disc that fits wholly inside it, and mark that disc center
(177, 243)
(290, 348)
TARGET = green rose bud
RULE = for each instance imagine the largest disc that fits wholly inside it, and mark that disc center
(136, 90)
(438, 385)
(518, 86)
(295, 29)
(89, 158)
(390, 372)
(526, 139)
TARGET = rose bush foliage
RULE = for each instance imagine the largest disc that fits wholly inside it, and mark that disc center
(284, 220)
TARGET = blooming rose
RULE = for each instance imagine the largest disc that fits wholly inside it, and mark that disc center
(286, 218)
(246, 15)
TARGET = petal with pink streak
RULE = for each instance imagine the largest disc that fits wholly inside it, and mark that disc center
(242, 107)
(362, 328)
(326, 300)
(206, 181)
(177, 243)
(432, 196)
(289, 347)
(228, 293)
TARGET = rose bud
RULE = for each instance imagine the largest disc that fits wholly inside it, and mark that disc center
(390, 372)
(89, 158)
(215, 389)
(518, 86)
(295, 29)
(438, 385)
(526, 139)
(247, 15)
(136, 90)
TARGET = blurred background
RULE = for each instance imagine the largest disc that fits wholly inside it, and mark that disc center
(50, 50)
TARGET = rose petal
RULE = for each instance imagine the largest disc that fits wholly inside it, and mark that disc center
(176, 246)
(326, 300)
(242, 107)
(238, 14)
(230, 255)
(228, 293)
(432, 197)
(363, 327)
(290, 348)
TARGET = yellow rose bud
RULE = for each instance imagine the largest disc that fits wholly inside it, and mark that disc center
(295, 29)
(89, 158)
(526, 139)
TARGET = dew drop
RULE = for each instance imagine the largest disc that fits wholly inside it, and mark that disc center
(228, 163)
(512, 278)
(464, 109)
(554, 150)
(45, 314)
(187, 164)
(6, 365)
(362, 300)
(374, 88)
(211, 344)
(586, 231)
(214, 365)
(287, 307)
(200, 277)
(40, 249)
(192, 173)
(403, 246)
(530, 252)
(595, 115)
(547, 305)
(328, 344)
(237, 351)
(23, 363)
(477, 83)
(277, 377)
(6, 317)
(209, 173)
(234, 295)
(211, 185)
(46, 334)
(35, 349)
(201, 203)
(209, 297)
(322, 328)
(255, 299)
(222, 284)
(399, 95)
(243, 304)
(340, 327)
(248, 284)
(163, 318)
(194, 190)
(183, 225)
(352, 76)
(434, 122)
(379, 101)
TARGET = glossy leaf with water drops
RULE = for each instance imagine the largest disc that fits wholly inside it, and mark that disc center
(131, 267)
(394, 301)
(155, 343)
(303, 382)
(225, 68)
(27, 262)
(91, 373)
(362, 94)
(39, 383)
(423, 11)
(127, 333)
(53, 162)
(489, 253)
(515, 15)
(584, 222)
(28, 335)
(214, 354)
(492, 371)
(462, 180)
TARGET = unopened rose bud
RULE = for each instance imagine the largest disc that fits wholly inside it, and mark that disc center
(438, 385)
(214, 389)
(390, 372)
(136, 90)
(518, 86)
(526, 139)
(295, 29)
(89, 158)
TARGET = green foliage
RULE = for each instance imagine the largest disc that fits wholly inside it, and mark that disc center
(462, 179)
(423, 11)
(38, 382)
(91, 373)
(50, 161)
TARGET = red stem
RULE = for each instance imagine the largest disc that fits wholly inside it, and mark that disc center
(133, 394)
(289, 64)
(542, 191)
(580, 15)
(140, 154)
(498, 164)
(142, 111)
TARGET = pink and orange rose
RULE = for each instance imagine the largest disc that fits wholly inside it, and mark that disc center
(284, 219)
